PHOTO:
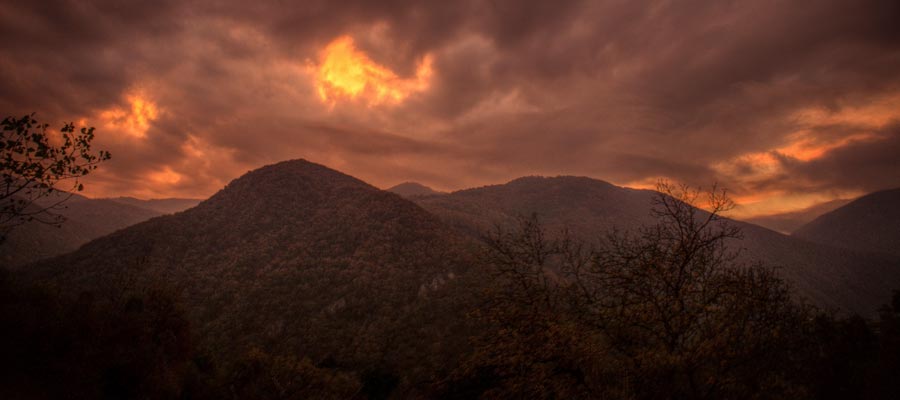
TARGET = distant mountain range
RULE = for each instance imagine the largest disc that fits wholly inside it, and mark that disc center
(789, 222)
(413, 189)
(782, 222)
(296, 258)
(85, 219)
(868, 224)
(836, 261)
(826, 275)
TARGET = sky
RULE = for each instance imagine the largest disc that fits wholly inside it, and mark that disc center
(784, 103)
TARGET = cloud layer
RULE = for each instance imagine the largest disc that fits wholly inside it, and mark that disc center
(787, 103)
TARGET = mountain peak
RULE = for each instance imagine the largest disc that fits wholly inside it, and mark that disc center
(287, 183)
(413, 189)
(300, 169)
(564, 180)
(291, 245)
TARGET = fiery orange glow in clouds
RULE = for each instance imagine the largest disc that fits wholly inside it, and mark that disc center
(346, 72)
(810, 141)
(804, 145)
(165, 177)
(134, 119)
(785, 113)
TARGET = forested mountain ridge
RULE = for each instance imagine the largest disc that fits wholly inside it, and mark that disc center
(84, 219)
(413, 189)
(829, 277)
(868, 224)
(298, 281)
(294, 258)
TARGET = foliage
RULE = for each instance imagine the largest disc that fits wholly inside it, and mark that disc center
(298, 261)
(127, 344)
(32, 168)
(259, 375)
(662, 313)
(850, 357)
(299, 282)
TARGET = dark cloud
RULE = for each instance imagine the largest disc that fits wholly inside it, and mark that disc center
(619, 90)
(867, 165)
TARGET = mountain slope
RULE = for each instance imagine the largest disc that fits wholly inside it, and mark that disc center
(828, 276)
(869, 224)
(789, 222)
(85, 219)
(293, 258)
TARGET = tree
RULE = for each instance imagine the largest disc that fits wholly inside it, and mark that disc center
(33, 168)
(92, 343)
(526, 345)
(686, 318)
(666, 311)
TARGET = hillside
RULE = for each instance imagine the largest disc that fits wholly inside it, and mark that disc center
(295, 275)
(413, 189)
(789, 222)
(85, 219)
(868, 224)
(294, 258)
(828, 276)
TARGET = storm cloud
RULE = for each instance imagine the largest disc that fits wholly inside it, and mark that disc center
(776, 100)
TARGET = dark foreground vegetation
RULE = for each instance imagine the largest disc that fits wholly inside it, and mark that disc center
(666, 312)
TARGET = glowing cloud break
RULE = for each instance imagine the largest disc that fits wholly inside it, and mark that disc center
(344, 72)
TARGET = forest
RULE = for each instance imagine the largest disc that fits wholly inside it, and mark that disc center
(667, 311)
(468, 199)
(297, 281)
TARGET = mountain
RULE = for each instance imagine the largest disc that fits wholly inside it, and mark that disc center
(580, 204)
(85, 219)
(830, 277)
(162, 206)
(790, 221)
(413, 189)
(298, 276)
(294, 258)
(868, 224)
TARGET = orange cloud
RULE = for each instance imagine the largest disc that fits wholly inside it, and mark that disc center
(873, 114)
(166, 176)
(133, 120)
(778, 201)
(759, 166)
(804, 145)
(348, 73)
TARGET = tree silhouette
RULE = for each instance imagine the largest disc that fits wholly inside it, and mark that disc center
(33, 167)
(666, 311)
(675, 304)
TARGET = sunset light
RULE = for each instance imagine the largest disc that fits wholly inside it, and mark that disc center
(135, 119)
(346, 72)
(624, 200)
(165, 176)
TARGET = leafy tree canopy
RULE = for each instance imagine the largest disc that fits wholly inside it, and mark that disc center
(33, 168)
